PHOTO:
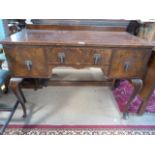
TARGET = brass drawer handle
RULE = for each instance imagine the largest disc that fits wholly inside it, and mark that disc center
(28, 64)
(126, 66)
(97, 58)
(61, 56)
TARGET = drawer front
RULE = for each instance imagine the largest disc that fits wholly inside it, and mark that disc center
(64, 56)
(97, 57)
(26, 61)
(129, 63)
(79, 56)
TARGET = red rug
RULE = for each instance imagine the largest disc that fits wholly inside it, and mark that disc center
(122, 94)
(79, 130)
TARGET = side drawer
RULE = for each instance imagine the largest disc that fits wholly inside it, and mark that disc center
(26, 61)
(129, 63)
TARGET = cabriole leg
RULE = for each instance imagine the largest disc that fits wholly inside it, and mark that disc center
(15, 86)
(138, 84)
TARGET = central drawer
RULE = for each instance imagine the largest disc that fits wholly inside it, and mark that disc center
(79, 56)
(64, 56)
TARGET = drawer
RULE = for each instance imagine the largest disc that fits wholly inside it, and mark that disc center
(64, 56)
(26, 61)
(79, 56)
(97, 57)
(129, 63)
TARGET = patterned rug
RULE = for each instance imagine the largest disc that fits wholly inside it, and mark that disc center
(81, 130)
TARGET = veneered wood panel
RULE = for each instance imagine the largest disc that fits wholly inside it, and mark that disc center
(72, 56)
(69, 27)
(79, 56)
(127, 63)
(17, 57)
(76, 38)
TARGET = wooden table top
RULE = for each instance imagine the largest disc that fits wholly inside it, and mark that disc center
(76, 38)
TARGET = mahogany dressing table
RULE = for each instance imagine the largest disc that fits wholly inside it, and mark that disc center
(33, 53)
